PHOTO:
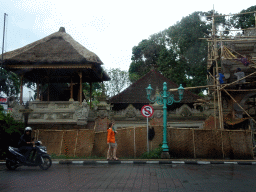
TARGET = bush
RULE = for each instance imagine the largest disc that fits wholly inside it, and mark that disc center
(155, 154)
(10, 132)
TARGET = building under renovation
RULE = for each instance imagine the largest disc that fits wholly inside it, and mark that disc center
(220, 125)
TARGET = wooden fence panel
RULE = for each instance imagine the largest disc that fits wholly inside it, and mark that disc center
(180, 142)
(206, 144)
(85, 141)
(52, 140)
(68, 143)
(125, 143)
(183, 143)
(100, 146)
(140, 140)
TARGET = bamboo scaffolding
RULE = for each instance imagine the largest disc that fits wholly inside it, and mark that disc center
(198, 87)
(229, 40)
(241, 90)
(240, 106)
(237, 80)
(232, 14)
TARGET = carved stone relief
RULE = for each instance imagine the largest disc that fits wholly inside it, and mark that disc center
(62, 105)
(184, 111)
(130, 111)
(15, 111)
(41, 105)
(36, 116)
(158, 113)
(64, 116)
(50, 116)
(102, 114)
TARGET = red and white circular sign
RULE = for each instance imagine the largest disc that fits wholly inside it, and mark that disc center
(147, 111)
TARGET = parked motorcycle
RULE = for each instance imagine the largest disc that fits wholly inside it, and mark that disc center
(16, 159)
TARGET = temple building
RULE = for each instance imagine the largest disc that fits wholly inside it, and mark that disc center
(58, 65)
(126, 105)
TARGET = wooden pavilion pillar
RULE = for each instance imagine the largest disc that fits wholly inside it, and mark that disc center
(48, 89)
(81, 88)
(21, 89)
(48, 92)
(90, 95)
(37, 91)
(71, 90)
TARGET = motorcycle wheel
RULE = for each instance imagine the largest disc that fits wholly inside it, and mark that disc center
(10, 165)
(46, 164)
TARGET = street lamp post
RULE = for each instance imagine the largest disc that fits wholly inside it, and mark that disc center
(165, 98)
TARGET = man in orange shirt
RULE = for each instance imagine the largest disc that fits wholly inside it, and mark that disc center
(111, 141)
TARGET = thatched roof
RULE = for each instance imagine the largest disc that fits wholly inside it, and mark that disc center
(55, 58)
(136, 93)
(58, 47)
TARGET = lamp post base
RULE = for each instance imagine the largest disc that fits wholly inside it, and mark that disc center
(165, 155)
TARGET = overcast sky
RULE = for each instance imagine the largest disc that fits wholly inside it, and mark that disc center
(108, 28)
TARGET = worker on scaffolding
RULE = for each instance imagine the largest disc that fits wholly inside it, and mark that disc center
(221, 77)
(240, 74)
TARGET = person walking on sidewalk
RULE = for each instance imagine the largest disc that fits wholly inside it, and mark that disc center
(111, 141)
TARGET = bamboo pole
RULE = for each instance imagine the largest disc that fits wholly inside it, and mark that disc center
(230, 40)
(76, 144)
(241, 90)
(221, 109)
(214, 68)
(61, 142)
(222, 144)
(194, 145)
(134, 143)
(240, 106)
(233, 15)
(220, 99)
(198, 87)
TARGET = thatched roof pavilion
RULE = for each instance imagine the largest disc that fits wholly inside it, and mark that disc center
(57, 58)
(136, 93)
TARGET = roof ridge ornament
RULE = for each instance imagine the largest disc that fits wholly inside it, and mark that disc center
(62, 29)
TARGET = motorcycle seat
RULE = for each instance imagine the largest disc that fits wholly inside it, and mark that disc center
(15, 149)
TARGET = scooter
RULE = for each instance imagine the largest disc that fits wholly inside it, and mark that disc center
(16, 159)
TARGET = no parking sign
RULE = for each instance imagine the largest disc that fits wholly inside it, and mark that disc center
(147, 111)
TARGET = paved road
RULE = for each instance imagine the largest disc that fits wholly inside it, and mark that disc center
(131, 177)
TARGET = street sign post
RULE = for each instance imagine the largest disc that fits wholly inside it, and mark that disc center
(147, 111)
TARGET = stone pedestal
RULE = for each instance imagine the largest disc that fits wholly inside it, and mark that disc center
(165, 155)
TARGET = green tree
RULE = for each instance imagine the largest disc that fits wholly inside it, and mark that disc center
(244, 21)
(192, 52)
(10, 132)
(143, 59)
(9, 83)
(119, 81)
(146, 55)
(96, 92)
(172, 68)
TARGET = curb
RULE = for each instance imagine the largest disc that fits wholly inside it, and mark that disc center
(68, 162)
(95, 162)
